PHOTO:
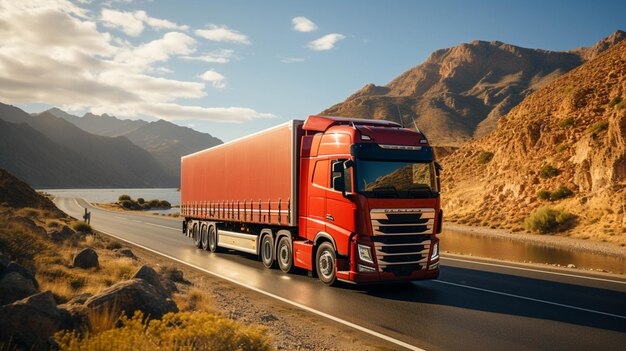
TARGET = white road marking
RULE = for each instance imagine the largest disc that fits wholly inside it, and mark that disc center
(293, 303)
(445, 257)
(529, 299)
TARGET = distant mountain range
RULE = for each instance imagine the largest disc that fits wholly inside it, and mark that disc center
(165, 141)
(46, 150)
(460, 92)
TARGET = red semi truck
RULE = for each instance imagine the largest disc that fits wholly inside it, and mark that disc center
(348, 199)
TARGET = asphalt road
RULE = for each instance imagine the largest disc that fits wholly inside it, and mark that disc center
(474, 305)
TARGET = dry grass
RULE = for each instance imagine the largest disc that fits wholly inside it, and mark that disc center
(194, 300)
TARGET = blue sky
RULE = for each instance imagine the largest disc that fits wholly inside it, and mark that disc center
(141, 59)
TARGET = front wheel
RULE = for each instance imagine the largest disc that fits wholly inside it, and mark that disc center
(284, 254)
(325, 263)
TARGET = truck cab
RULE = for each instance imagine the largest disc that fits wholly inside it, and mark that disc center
(369, 191)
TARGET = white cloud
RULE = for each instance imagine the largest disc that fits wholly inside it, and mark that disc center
(217, 80)
(79, 67)
(303, 24)
(219, 56)
(222, 34)
(132, 23)
(326, 42)
(292, 59)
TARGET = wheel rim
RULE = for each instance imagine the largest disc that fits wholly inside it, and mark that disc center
(326, 265)
(267, 250)
(205, 239)
(283, 254)
(211, 238)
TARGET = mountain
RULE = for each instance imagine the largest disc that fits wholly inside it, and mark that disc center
(47, 151)
(165, 141)
(460, 92)
(563, 147)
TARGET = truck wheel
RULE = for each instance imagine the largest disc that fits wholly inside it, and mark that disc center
(196, 236)
(212, 239)
(267, 251)
(284, 254)
(325, 263)
(205, 238)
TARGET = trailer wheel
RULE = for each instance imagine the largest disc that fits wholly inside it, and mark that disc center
(205, 237)
(284, 254)
(267, 251)
(196, 236)
(212, 239)
(325, 259)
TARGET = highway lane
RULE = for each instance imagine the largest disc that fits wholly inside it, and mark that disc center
(472, 306)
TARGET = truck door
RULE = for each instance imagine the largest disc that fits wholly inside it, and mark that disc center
(316, 208)
(340, 210)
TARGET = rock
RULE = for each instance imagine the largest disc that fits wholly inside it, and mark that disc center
(130, 296)
(23, 271)
(4, 262)
(87, 258)
(148, 274)
(268, 317)
(79, 299)
(14, 287)
(64, 234)
(571, 265)
(29, 323)
(126, 252)
(174, 274)
(74, 316)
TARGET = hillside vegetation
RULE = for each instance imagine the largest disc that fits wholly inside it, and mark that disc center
(562, 149)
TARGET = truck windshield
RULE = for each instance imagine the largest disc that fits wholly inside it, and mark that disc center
(395, 179)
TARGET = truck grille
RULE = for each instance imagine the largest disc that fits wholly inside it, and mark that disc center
(402, 238)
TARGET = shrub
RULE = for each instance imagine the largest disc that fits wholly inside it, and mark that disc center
(153, 203)
(176, 331)
(568, 122)
(560, 193)
(544, 194)
(614, 101)
(124, 198)
(548, 220)
(82, 227)
(129, 204)
(164, 204)
(548, 171)
(141, 200)
(485, 157)
(599, 127)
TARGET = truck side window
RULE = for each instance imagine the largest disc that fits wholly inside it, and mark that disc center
(345, 173)
(319, 173)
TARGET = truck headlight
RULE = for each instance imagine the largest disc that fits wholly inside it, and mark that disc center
(365, 253)
(435, 254)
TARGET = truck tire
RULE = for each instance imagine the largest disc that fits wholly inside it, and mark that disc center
(196, 236)
(204, 238)
(284, 254)
(267, 251)
(325, 259)
(212, 238)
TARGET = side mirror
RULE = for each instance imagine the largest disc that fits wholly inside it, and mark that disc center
(348, 164)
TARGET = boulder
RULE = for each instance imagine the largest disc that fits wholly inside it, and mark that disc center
(79, 299)
(14, 287)
(87, 258)
(130, 296)
(126, 252)
(23, 271)
(29, 323)
(74, 316)
(64, 234)
(148, 274)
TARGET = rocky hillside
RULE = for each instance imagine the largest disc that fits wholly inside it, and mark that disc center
(165, 141)
(47, 151)
(461, 92)
(563, 147)
(15, 193)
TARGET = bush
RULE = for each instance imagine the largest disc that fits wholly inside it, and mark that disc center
(548, 220)
(82, 227)
(599, 127)
(153, 203)
(568, 122)
(124, 198)
(176, 331)
(485, 157)
(129, 204)
(614, 101)
(544, 194)
(548, 171)
(164, 204)
(560, 193)
(140, 200)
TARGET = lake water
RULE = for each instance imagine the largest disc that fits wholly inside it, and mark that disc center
(451, 241)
